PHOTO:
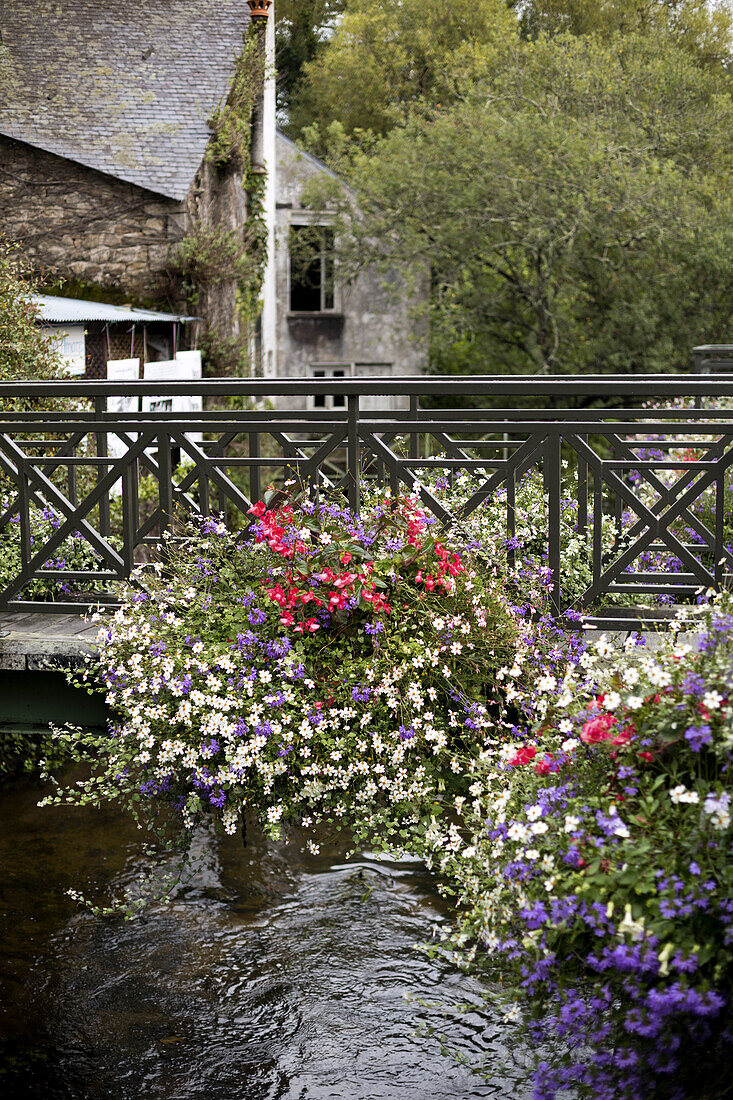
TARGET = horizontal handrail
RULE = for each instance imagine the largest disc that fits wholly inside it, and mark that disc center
(600, 385)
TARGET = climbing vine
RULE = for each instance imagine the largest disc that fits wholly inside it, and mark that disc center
(231, 121)
(210, 255)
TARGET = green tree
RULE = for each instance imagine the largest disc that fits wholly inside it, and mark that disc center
(701, 27)
(386, 57)
(575, 210)
(25, 350)
(301, 29)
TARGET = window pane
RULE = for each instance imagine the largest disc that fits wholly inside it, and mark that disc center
(339, 400)
(328, 269)
(319, 399)
(305, 245)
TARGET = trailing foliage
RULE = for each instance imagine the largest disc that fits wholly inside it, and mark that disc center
(231, 121)
(355, 658)
(592, 866)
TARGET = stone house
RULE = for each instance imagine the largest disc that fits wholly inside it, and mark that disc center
(105, 165)
(326, 328)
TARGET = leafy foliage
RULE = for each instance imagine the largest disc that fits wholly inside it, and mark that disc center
(301, 30)
(701, 28)
(25, 350)
(573, 208)
(385, 59)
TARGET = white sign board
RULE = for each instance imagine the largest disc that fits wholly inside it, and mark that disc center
(186, 367)
(70, 343)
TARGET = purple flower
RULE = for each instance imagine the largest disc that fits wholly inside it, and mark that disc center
(697, 736)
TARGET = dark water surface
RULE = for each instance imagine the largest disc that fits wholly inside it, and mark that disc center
(272, 976)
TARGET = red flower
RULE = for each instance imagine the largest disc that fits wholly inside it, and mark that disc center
(523, 755)
(623, 736)
(257, 509)
(597, 729)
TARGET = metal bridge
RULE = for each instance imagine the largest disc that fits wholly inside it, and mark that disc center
(656, 477)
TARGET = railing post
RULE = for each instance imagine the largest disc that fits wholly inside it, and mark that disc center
(165, 481)
(353, 453)
(414, 436)
(102, 452)
(553, 484)
(129, 514)
(582, 496)
(255, 491)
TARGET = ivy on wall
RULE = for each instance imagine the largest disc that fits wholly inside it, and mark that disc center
(210, 255)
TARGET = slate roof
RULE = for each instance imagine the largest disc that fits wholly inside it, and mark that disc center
(123, 86)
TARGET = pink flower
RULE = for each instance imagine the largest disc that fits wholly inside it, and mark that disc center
(523, 755)
(597, 729)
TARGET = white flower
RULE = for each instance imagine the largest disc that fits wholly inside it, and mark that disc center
(630, 676)
(712, 700)
(631, 927)
(612, 700)
(680, 794)
(633, 702)
(546, 683)
(659, 676)
(565, 726)
(569, 745)
(571, 823)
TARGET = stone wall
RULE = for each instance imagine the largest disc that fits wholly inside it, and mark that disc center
(78, 223)
(218, 200)
(75, 221)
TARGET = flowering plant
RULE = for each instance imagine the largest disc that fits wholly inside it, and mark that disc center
(592, 865)
(322, 666)
(74, 553)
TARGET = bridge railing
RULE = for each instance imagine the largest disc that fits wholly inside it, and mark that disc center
(656, 477)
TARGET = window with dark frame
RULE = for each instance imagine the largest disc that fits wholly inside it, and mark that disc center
(311, 269)
(333, 401)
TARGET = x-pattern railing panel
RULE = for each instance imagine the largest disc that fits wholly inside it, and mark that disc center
(116, 481)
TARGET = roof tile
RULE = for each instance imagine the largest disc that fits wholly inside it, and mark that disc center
(124, 86)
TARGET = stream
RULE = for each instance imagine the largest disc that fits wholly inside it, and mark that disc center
(271, 975)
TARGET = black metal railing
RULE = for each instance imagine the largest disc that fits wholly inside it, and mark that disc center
(628, 483)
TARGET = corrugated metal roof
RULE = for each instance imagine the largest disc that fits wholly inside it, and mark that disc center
(123, 86)
(73, 310)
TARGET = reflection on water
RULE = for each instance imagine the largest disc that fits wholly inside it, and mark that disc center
(272, 976)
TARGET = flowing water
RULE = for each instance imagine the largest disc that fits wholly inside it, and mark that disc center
(272, 975)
